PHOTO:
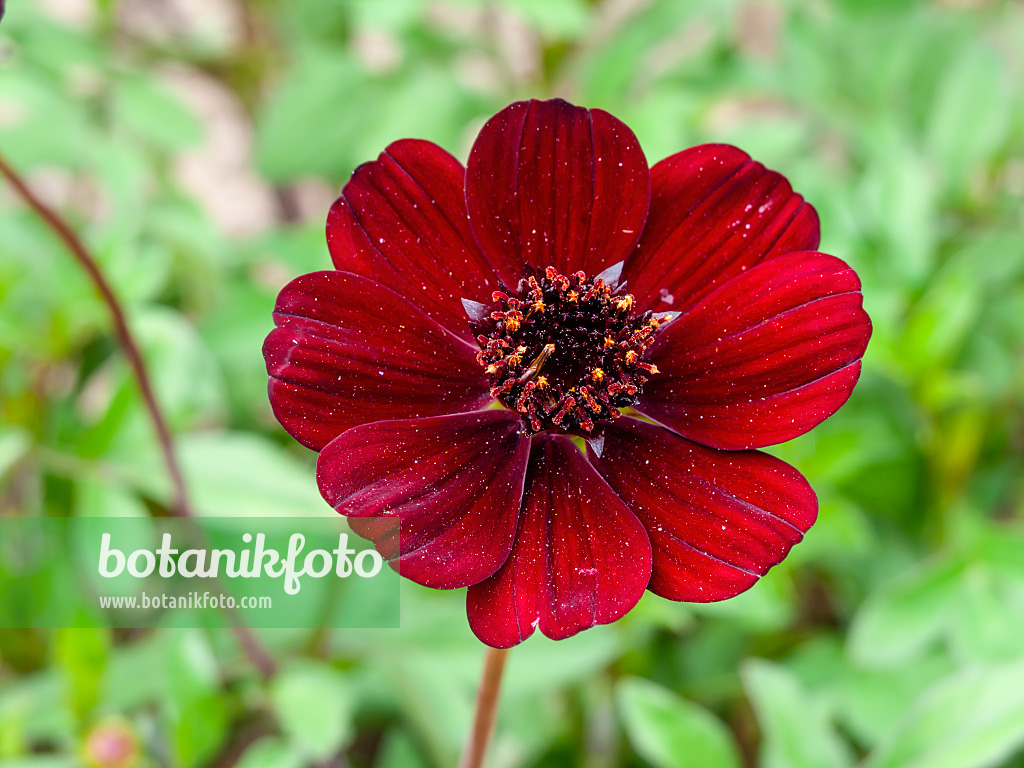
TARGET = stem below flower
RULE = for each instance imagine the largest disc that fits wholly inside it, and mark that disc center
(486, 708)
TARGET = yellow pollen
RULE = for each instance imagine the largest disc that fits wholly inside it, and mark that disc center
(597, 375)
(609, 342)
(631, 357)
(511, 325)
(542, 382)
(572, 297)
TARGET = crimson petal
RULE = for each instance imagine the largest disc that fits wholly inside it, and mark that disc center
(714, 213)
(452, 484)
(763, 359)
(401, 220)
(348, 351)
(580, 557)
(717, 520)
(552, 184)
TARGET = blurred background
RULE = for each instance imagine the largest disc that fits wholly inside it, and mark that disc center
(196, 146)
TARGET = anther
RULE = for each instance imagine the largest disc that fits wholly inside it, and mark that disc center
(565, 352)
(535, 366)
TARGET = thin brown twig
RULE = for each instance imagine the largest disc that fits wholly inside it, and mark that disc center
(124, 335)
(181, 506)
(486, 708)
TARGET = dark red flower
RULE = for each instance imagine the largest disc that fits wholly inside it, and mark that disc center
(481, 320)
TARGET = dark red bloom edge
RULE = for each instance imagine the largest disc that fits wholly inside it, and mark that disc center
(799, 230)
(652, 510)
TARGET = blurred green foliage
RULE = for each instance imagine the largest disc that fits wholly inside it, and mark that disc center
(196, 146)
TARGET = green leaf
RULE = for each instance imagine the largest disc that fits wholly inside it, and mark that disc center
(670, 732)
(314, 708)
(14, 443)
(155, 113)
(305, 128)
(989, 620)
(868, 701)
(974, 719)
(797, 732)
(899, 620)
(943, 319)
(902, 194)
(199, 712)
(398, 752)
(271, 753)
(394, 15)
(82, 659)
(971, 116)
(243, 474)
(186, 377)
(553, 18)
(193, 668)
(236, 474)
(200, 730)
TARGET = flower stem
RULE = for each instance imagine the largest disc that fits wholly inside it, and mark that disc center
(486, 708)
(181, 506)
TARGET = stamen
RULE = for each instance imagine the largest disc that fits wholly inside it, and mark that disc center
(586, 340)
(535, 366)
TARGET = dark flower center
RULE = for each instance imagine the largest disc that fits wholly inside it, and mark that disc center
(566, 352)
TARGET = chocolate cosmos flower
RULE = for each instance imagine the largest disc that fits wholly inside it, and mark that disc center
(550, 367)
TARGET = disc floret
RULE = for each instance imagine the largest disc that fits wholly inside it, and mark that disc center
(566, 352)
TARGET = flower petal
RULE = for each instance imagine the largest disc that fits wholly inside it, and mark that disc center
(580, 557)
(401, 220)
(714, 213)
(452, 484)
(766, 357)
(717, 520)
(552, 184)
(349, 351)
